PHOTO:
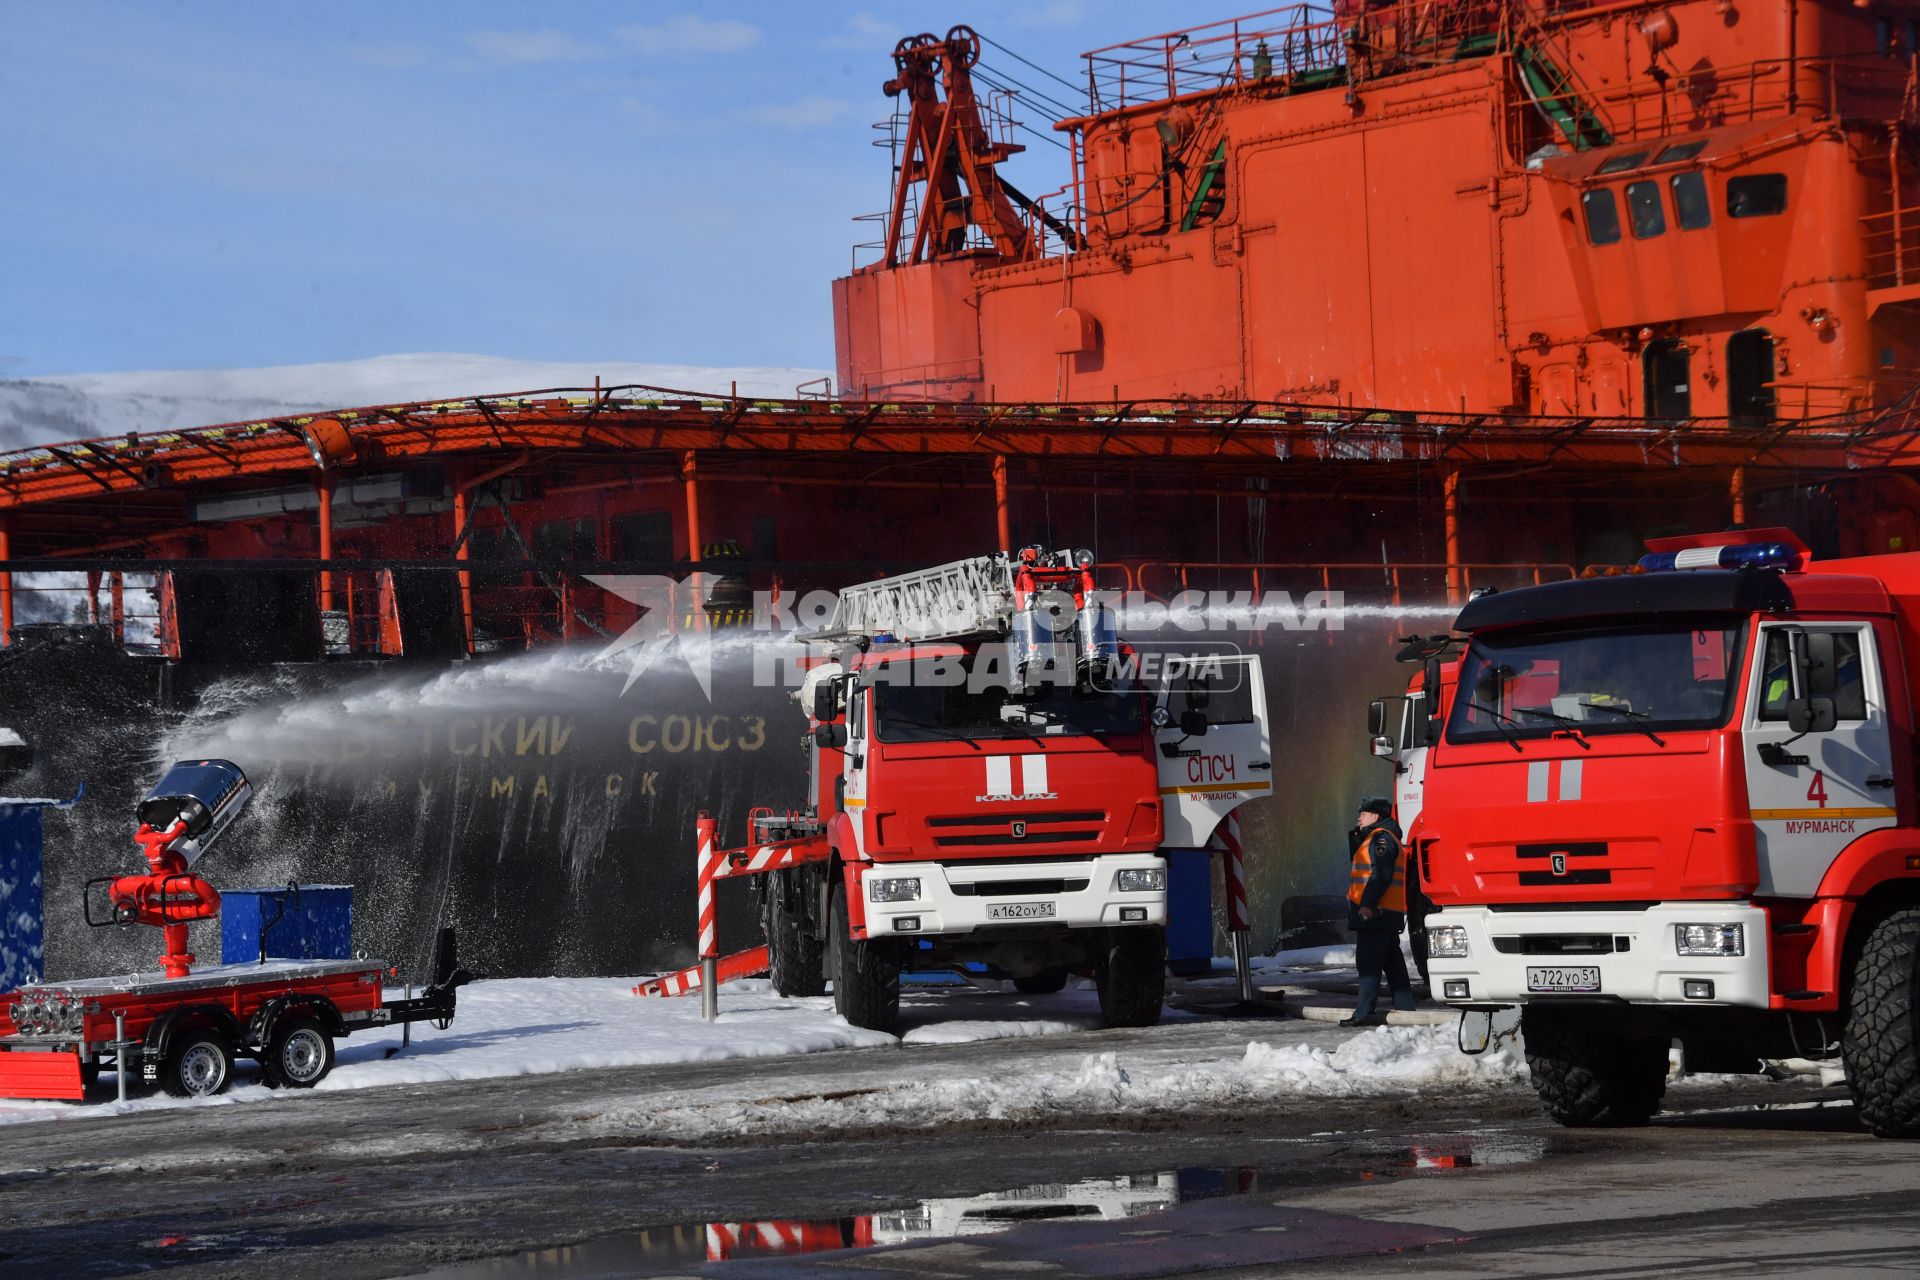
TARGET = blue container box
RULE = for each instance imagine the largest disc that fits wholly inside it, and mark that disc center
(1189, 911)
(21, 943)
(305, 922)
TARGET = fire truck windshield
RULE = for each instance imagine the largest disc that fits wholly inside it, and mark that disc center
(1535, 682)
(938, 701)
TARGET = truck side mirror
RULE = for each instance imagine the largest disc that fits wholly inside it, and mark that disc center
(1376, 718)
(830, 736)
(826, 698)
(1811, 715)
(1193, 722)
(1382, 746)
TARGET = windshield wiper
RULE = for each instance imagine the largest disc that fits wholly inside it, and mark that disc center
(1637, 718)
(1568, 723)
(1500, 722)
(945, 731)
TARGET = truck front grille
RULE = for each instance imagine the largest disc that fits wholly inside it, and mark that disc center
(1017, 888)
(1559, 944)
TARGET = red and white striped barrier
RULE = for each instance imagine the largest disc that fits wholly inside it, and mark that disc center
(708, 865)
(1233, 865)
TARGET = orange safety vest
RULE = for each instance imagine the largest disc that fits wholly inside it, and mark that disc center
(1395, 898)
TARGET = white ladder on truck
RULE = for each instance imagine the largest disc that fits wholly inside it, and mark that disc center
(965, 598)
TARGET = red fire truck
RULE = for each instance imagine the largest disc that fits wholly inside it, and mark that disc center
(994, 778)
(1680, 804)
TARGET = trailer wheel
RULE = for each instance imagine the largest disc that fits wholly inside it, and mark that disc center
(1132, 977)
(866, 980)
(1878, 1045)
(797, 960)
(299, 1054)
(1592, 1081)
(1043, 983)
(199, 1065)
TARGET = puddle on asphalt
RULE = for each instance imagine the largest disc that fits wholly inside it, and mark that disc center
(677, 1249)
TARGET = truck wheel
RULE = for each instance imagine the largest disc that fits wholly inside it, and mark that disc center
(1043, 983)
(796, 960)
(299, 1054)
(1878, 1045)
(198, 1065)
(1132, 977)
(1591, 1081)
(866, 981)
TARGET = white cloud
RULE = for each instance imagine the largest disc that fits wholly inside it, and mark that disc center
(688, 33)
(547, 45)
(810, 112)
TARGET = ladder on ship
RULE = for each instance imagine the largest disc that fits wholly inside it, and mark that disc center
(1555, 86)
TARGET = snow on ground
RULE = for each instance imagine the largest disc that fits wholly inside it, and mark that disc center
(88, 405)
(524, 1026)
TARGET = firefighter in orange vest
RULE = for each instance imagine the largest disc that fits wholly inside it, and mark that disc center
(1377, 910)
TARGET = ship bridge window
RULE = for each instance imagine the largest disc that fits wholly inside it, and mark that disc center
(1680, 151)
(1624, 161)
(1690, 203)
(1603, 216)
(1756, 195)
(1643, 207)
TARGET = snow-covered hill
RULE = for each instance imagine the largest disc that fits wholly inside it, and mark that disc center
(83, 406)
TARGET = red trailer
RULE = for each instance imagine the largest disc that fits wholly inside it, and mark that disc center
(183, 1027)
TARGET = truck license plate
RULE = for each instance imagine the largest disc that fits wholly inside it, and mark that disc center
(1581, 978)
(1020, 911)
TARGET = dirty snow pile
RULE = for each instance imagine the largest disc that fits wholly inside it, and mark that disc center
(1381, 1061)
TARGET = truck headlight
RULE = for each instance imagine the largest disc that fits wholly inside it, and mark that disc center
(1141, 880)
(1710, 939)
(1447, 941)
(896, 889)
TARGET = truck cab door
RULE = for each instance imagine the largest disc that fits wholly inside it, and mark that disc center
(1813, 794)
(1410, 777)
(853, 794)
(1204, 777)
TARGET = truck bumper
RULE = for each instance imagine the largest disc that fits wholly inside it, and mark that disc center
(965, 897)
(1649, 969)
(41, 1073)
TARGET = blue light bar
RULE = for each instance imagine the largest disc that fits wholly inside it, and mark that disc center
(1777, 556)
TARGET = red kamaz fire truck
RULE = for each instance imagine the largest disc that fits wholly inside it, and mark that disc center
(1680, 803)
(994, 777)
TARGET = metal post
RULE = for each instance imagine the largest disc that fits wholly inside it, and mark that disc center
(120, 1051)
(1002, 527)
(460, 504)
(1243, 964)
(1233, 871)
(706, 864)
(406, 1028)
(325, 489)
(1453, 535)
(690, 477)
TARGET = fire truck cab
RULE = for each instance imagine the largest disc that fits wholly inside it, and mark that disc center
(1003, 796)
(1680, 804)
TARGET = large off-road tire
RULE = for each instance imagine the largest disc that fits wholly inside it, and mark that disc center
(866, 977)
(199, 1065)
(299, 1054)
(1043, 983)
(1878, 1045)
(1592, 1080)
(1132, 976)
(796, 959)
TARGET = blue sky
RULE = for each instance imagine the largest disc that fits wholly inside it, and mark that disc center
(198, 185)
